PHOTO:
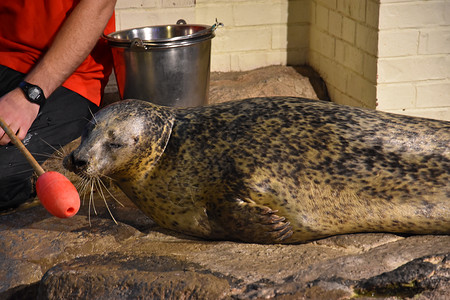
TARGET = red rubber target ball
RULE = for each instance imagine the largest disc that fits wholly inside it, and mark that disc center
(57, 194)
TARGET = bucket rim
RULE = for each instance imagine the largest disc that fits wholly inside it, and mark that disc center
(204, 30)
(139, 45)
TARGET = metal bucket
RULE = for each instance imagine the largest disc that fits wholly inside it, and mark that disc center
(167, 65)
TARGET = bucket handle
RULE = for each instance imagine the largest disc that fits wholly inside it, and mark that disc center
(216, 25)
(213, 28)
(138, 44)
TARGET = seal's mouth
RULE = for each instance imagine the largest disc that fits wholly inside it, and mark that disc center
(74, 165)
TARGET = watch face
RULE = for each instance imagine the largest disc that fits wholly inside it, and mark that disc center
(34, 93)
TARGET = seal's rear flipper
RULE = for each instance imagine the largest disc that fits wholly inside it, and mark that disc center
(250, 222)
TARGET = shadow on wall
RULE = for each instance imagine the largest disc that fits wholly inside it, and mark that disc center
(298, 26)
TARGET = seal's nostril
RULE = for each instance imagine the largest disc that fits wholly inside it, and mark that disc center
(67, 161)
(72, 164)
(79, 163)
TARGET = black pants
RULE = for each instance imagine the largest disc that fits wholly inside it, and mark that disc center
(60, 121)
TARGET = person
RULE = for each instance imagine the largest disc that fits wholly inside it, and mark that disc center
(53, 70)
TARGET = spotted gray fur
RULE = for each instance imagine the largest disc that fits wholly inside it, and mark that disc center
(273, 170)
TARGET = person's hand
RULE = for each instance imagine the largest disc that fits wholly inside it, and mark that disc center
(18, 113)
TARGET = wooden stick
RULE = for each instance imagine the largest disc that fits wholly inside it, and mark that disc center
(36, 166)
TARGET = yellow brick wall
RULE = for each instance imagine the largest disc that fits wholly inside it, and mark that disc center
(257, 33)
(414, 58)
(393, 55)
(343, 49)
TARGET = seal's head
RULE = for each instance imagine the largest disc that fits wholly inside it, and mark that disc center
(118, 132)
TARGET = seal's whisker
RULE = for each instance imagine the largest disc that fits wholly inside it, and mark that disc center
(93, 120)
(59, 151)
(83, 186)
(106, 177)
(99, 188)
(26, 170)
(47, 155)
(91, 201)
(92, 196)
(109, 192)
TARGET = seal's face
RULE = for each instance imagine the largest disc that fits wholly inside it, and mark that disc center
(107, 144)
(119, 138)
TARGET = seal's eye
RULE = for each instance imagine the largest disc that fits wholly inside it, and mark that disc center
(115, 145)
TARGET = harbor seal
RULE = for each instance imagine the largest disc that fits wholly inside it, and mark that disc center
(273, 170)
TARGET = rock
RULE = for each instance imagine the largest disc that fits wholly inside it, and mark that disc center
(108, 261)
(90, 256)
(120, 276)
(265, 82)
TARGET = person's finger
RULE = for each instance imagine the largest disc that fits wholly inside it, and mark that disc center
(21, 134)
(4, 138)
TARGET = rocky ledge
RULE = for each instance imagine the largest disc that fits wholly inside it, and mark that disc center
(91, 257)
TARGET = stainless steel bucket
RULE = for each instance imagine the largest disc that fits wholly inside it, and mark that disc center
(167, 65)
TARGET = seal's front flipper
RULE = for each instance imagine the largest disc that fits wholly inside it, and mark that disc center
(250, 222)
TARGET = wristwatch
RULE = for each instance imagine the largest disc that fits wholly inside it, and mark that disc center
(33, 93)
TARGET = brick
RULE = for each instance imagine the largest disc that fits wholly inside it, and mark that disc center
(218, 44)
(447, 12)
(234, 59)
(335, 23)
(370, 67)
(220, 62)
(345, 99)
(435, 41)
(297, 56)
(297, 36)
(398, 42)
(328, 3)
(361, 89)
(178, 3)
(372, 13)
(269, 12)
(251, 60)
(313, 20)
(314, 60)
(332, 92)
(337, 76)
(279, 36)
(353, 9)
(395, 96)
(207, 14)
(276, 58)
(394, 1)
(439, 113)
(322, 17)
(339, 55)
(354, 59)
(348, 30)
(322, 42)
(299, 11)
(367, 39)
(123, 4)
(407, 15)
(325, 71)
(244, 39)
(290, 36)
(413, 68)
(140, 18)
(433, 94)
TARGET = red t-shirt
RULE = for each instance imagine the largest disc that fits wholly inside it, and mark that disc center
(27, 29)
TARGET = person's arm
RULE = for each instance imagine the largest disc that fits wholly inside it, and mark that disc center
(72, 44)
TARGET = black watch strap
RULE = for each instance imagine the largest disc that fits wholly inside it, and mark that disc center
(33, 93)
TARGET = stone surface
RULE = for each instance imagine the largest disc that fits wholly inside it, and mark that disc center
(90, 257)
(267, 81)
